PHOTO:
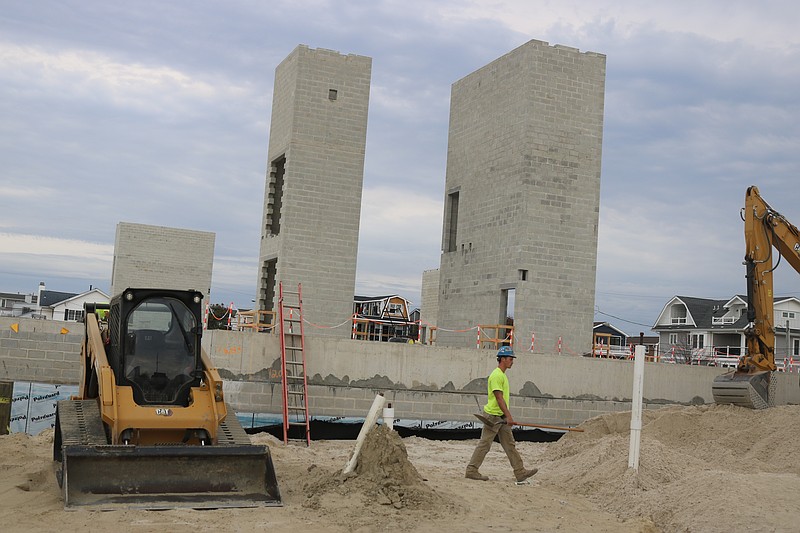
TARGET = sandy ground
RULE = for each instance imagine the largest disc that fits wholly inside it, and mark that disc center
(703, 469)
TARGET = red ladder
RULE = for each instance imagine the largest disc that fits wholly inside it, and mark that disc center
(293, 363)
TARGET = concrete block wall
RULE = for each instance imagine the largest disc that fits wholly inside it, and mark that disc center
(44, 351)
(421, 405)
(319, 124)
(524, 153)
(162, 258)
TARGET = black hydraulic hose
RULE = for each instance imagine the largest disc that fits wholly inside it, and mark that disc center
(750, 276)
(772, 232)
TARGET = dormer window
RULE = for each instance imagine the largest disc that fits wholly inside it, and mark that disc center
(677, 314)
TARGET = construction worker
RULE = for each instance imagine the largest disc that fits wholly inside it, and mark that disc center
(497, 420)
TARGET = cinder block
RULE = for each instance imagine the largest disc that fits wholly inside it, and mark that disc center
(6, 343)
(344, 404)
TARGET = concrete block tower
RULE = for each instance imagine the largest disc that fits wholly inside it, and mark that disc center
(312, 199)
(158, 257)
(522, 198)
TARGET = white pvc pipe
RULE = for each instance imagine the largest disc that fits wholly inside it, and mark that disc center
(636, 408)
(369, 423)
(388, 416)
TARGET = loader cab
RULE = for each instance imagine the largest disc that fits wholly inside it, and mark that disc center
(156, 348)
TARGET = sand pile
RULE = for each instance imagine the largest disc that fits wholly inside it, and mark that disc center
(698, 467)
(703, 469)
(383, 475)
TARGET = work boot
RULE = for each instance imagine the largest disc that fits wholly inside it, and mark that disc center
(526, 474)
(477, 475)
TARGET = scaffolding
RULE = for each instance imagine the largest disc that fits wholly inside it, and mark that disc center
(501, 335)
(257, 321)
(371, 329)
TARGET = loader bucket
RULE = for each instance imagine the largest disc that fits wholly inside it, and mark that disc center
(749, 390)
(168, 477)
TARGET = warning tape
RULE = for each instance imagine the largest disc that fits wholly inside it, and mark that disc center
(326, 327)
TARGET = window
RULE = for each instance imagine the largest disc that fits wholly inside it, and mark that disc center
(451, 223)
(673, 338)
(159, 350)
(272, 222)
(795, 346)
(508, 299)
(787, 314)
(523, 275)
(333, 94)
(73, 314)
(678, 314)
(269, 270)
(698, 341)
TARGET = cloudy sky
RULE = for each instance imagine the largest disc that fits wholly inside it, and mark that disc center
(158, 112)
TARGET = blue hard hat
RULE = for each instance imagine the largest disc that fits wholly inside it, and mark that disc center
(506, 351)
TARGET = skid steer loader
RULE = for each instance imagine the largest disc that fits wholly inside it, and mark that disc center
(149, 427)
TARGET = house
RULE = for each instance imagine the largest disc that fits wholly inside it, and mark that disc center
(67, 306)
(706, 331)
(16, 304)
(383, 318)
(609, 341)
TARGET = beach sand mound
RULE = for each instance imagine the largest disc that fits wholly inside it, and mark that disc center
(698, 467)
(702, 469)
(383, 475)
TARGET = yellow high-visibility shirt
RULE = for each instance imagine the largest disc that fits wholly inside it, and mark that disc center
(497, 381)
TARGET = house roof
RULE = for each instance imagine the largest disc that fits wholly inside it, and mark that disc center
(378, 298)
(703, 311)
(81, 295)
(54, 298)
(597, 325)
(51, 298)
(739, 298)
(17, 297)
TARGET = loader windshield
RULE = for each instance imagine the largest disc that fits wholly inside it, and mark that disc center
(160, 352)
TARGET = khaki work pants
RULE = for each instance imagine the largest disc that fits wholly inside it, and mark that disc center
(506, 437)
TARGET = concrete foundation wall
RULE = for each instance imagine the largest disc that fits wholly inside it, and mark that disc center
(422, 382)
(444, 369)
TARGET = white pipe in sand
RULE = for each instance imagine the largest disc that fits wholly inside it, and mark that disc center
(388, 416)
(636, 408)
(369, 423)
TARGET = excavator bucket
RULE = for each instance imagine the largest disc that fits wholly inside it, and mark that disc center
(749, 390)
(101, 476)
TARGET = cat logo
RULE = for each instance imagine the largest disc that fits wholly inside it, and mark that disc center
(163, 411)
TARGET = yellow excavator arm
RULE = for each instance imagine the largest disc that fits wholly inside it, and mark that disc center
(764, 230)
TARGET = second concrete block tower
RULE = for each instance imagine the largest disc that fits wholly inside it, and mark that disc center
(312, 201)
